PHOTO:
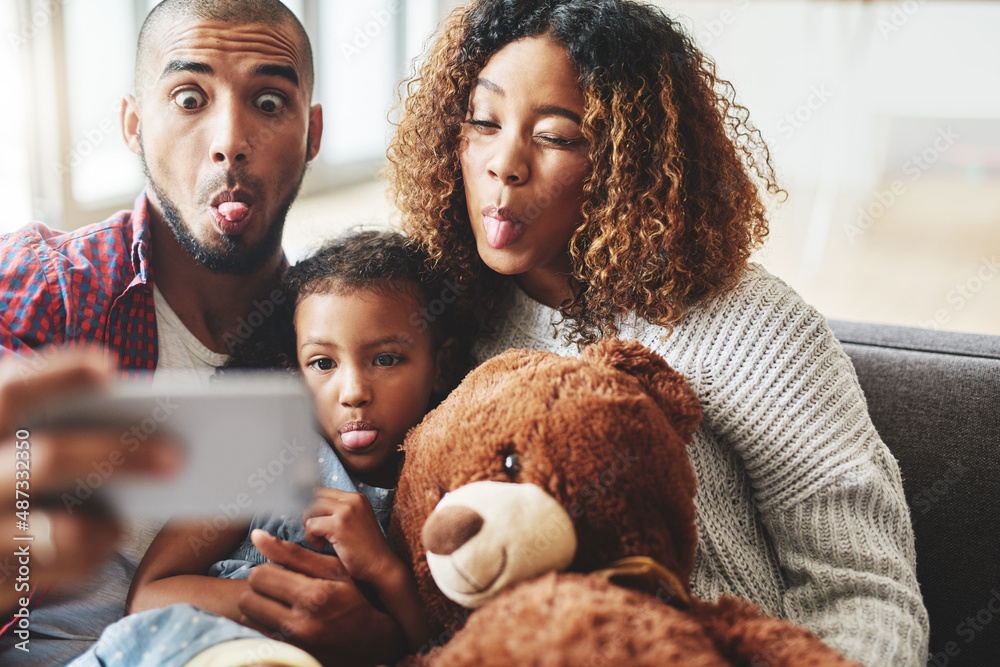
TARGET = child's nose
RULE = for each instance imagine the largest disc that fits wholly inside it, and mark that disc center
(355, 390)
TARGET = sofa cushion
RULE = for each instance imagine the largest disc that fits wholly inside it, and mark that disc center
(934, 398)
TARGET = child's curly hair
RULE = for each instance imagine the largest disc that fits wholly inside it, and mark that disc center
(384, 262)
(673, 206)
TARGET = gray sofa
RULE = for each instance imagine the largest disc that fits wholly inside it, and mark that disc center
(935, 400)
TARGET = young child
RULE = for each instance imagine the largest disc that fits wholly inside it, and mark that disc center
(375, 360)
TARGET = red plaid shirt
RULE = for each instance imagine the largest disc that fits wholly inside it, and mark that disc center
(94, 285)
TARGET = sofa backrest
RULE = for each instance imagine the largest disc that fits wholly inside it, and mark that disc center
(934, 398)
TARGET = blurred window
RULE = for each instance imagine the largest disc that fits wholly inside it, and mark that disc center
(15, 168)
(883, 120)
(66, 162)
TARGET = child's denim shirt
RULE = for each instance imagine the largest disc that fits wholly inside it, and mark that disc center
(290, 527)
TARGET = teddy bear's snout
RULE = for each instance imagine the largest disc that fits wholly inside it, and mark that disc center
(449, 528)
(485, 537)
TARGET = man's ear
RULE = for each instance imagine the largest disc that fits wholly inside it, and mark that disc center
(315, 130)
(131, 124)
(443, 373)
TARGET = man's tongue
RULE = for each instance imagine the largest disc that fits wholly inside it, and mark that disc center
(234, 211)
(501, 233)
(358, 439)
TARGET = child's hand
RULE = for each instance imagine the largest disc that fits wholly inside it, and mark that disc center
(347, 521)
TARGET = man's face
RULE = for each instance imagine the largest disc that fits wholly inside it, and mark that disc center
(225, 129)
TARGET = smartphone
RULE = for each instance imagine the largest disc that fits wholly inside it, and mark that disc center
(249, 440)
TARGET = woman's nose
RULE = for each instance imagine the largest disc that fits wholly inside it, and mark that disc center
(509, 161)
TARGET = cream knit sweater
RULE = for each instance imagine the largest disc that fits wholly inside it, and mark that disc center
(800, 504)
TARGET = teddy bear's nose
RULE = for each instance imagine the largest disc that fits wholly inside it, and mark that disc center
(450, 527)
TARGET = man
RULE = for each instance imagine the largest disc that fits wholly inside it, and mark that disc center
(223, 123)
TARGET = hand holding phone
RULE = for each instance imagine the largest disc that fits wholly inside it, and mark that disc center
(249, 445)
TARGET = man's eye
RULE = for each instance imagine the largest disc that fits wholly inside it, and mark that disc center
(323, 364)
(386, 360)
(270, 102)
(189, 100)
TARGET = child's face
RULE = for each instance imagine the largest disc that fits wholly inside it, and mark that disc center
(371, 373)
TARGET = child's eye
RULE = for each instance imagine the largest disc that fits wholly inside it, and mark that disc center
(322, 364)
(385, 360)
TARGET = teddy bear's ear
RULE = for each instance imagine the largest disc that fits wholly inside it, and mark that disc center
(668, 387)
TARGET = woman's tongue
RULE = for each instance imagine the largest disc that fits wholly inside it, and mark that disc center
(358, 439)
(501, 233)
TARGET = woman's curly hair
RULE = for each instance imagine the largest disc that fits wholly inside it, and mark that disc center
(383, 262)
(673, 205)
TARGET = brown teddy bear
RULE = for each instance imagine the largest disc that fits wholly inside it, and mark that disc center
(553, 497)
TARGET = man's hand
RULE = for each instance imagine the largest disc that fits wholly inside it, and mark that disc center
(69, 540)
(307, 599)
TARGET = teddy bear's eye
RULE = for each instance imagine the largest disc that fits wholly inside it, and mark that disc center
(511, 465)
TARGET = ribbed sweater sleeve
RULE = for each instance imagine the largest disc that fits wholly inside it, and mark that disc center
(780, 391)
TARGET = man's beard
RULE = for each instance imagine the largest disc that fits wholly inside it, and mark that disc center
(232, 255)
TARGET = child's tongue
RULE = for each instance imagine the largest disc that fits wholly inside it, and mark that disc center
(234, 211)
(358, 439)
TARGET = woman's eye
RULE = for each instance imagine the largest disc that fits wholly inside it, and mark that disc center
(511, 465)
(270, 102)
(189, 100)
(324, 364)
(483, 125)
(385, 360)
(559, 141)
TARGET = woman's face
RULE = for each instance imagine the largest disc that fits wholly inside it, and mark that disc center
(524, 159)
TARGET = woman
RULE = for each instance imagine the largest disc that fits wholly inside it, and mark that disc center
(582, 168)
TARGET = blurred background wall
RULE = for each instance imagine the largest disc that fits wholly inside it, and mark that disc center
(883, 119)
